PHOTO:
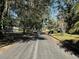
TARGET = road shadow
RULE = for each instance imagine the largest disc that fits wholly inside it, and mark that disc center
(71, 46)
(10, 38)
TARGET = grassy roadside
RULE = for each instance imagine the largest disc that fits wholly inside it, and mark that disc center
(69, 42)
(65, 36)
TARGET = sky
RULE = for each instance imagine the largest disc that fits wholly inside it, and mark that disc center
(13, 14)
(54, 11)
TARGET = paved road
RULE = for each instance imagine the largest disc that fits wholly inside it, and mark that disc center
(35, 49)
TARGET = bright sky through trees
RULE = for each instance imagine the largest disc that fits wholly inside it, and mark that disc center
(54, 9)
(13, 14)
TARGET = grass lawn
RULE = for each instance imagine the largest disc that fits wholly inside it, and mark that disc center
(65, 36)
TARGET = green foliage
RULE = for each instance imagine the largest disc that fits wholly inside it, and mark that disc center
(70, 13)
(52, 25)
(75, 28)
(76, 7)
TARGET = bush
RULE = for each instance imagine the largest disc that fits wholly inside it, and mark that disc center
(51, 32)
(59, 31)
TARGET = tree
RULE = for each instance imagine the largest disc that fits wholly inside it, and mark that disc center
(28, 11)
(68, 10)
(32, 11)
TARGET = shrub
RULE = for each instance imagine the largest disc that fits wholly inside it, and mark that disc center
(51, 32)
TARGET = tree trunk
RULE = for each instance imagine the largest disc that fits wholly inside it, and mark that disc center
(24, 31)
(3, 10)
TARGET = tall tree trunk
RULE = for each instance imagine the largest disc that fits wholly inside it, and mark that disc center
(2, 2)
(4, 13)
(3, 10)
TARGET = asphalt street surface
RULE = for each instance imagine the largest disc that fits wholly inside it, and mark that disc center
(35, 49)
